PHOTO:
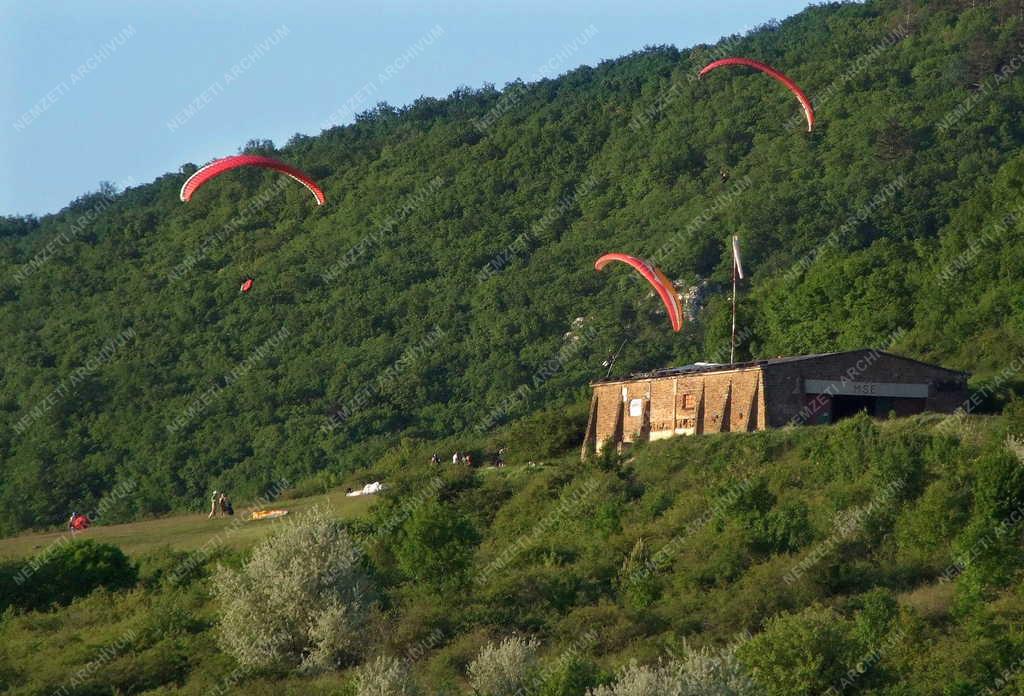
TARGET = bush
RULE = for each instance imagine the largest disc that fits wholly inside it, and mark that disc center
(999, 488)
(567, 676)
(637, 581)
(696, 673)
(385, 676)
(299, 602)
(803, 653)
(548, 433)
(171, 568)
(785, 529)
(62, 573)
(505, 669)
(438, 545)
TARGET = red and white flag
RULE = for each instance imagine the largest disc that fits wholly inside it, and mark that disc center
(736, 255)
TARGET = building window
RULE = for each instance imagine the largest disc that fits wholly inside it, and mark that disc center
(636, 408)
(686, 401)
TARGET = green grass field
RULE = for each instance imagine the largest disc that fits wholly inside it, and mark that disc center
(186, 532)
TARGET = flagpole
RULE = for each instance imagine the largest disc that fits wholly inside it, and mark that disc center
(732, 343)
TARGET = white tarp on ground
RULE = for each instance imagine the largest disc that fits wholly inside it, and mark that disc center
(368, 489)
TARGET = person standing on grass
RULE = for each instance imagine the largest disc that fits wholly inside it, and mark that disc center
(214, 504)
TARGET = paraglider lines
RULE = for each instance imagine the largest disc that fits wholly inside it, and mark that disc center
(249, 208)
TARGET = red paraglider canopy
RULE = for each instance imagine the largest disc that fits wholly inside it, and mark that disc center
(768, 70)
(664, 287)
(247, 285)
(218, 167)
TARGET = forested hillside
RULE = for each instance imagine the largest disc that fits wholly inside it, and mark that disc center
(448, 284)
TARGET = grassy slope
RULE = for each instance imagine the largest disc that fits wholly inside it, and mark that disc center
(187, 532)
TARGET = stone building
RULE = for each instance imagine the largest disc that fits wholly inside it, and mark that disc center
(743, 397)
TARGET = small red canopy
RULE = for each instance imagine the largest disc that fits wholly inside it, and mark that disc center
(247, 285)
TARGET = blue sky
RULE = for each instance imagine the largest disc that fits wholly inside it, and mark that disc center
(126, 91)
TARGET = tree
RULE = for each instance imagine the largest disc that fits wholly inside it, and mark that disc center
(299, 602)
(385, 676)
(504, 669)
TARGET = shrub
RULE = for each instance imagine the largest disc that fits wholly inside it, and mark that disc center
(548, 433)
(999, 488)
(568, 676)
(803, 653)
(385, 676)
(170, 567)
(695, 673)
(934, 519)
(63, 573)
(637, 581)
(878, 610)
(300, 601)
(505, 669)
(437, 546)
(784, 529)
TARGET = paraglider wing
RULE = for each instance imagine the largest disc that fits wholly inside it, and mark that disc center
(662, 285)
(218, 167)
(247, 285)
(768, 70)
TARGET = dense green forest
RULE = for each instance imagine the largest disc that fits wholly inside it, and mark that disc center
(448, 285)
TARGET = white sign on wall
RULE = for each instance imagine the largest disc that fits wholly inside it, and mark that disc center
(636, 408)
(891, 389)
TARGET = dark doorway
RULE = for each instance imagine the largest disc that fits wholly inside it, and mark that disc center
(845, 406)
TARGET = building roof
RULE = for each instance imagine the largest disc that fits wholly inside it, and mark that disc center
(756, 364)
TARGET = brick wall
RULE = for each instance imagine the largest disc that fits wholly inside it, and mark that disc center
(676, 405)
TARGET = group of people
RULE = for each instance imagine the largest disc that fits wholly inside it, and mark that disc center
(220, 503)
(467, 459)
(457, 458)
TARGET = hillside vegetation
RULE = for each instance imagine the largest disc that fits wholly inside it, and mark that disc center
(448, 283)
(862, 558)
